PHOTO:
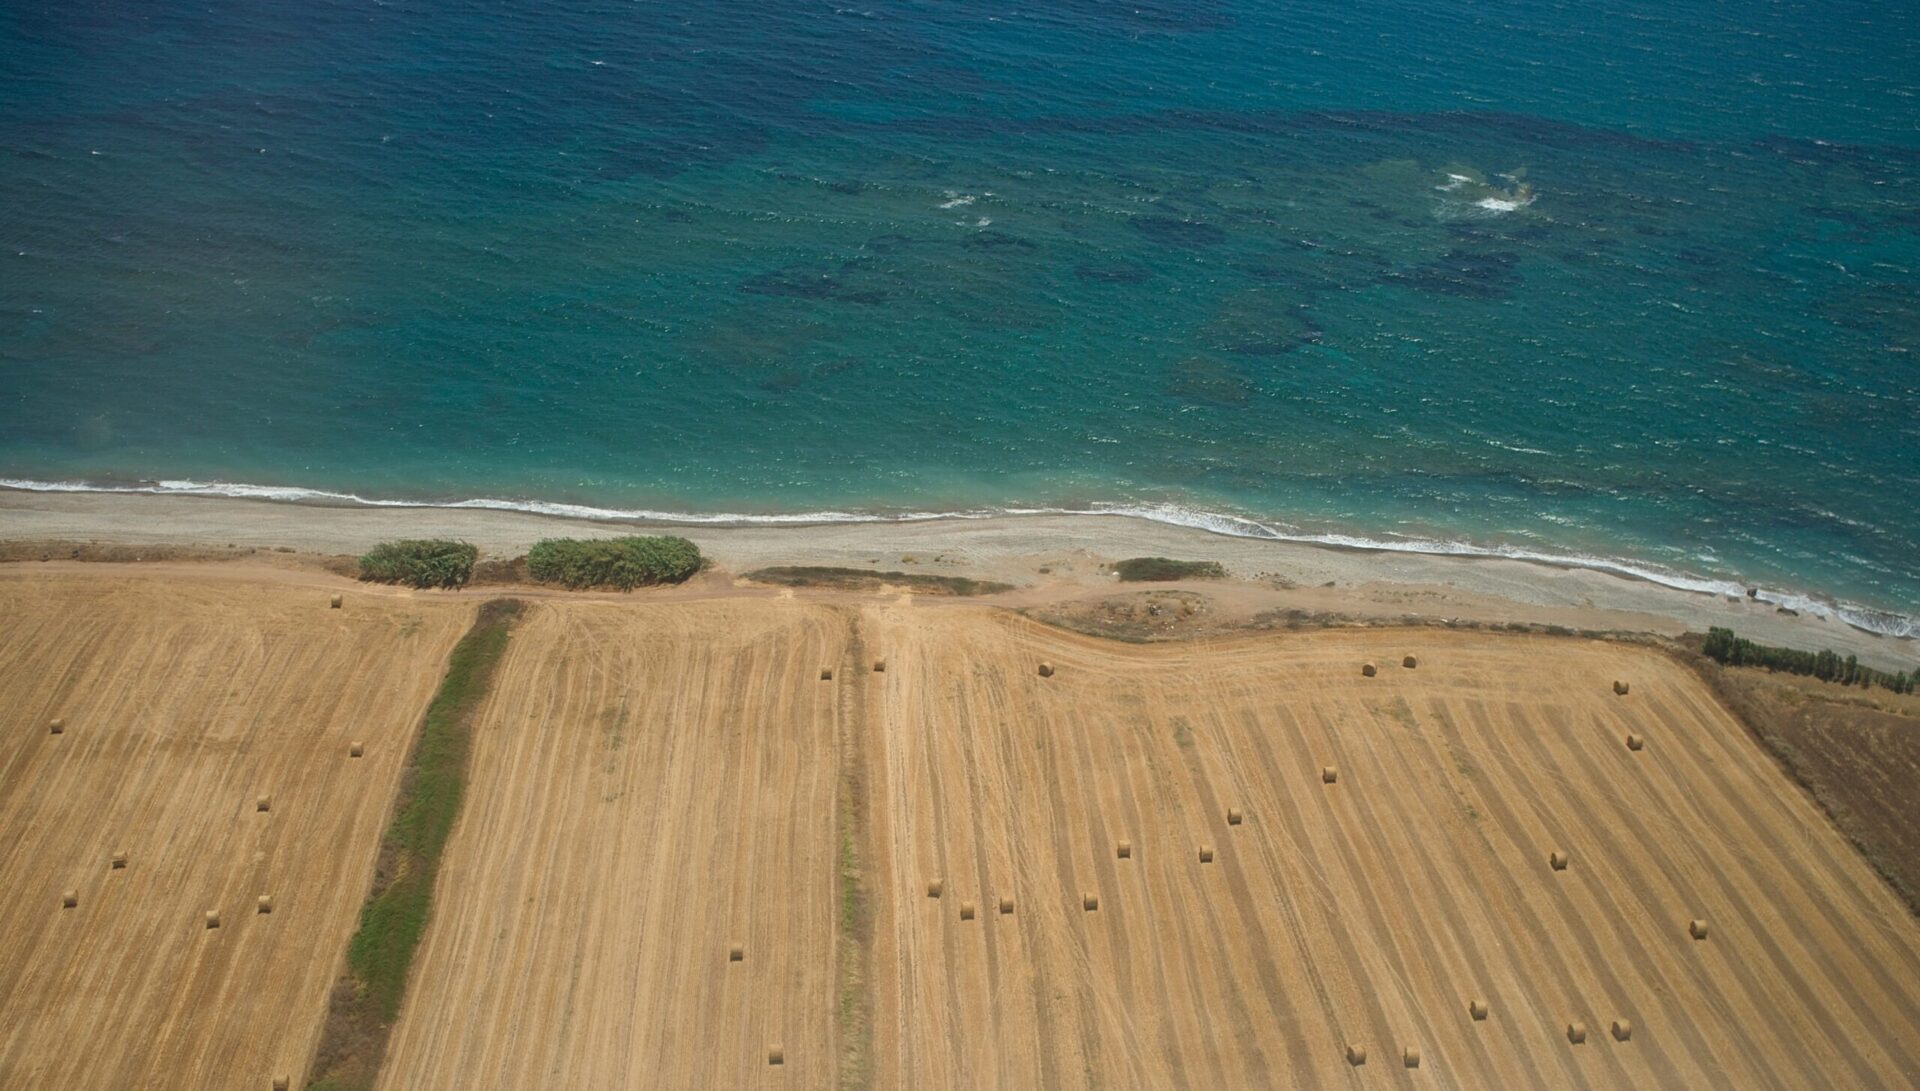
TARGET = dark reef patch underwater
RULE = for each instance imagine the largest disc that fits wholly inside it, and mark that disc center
(1628, 280)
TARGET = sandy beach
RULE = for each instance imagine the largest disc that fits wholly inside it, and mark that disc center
(1047, 558)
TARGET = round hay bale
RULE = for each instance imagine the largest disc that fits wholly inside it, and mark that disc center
(1635, 742)
(1410, 1057)
(1620, 688)
(737, 952)
(879, 666)
(1006, 907)
(1123, 850)
(1356, 1055)
(1369, 670)
(1477, 1009)
(119, 860)
(966, 911)
(1697, 929)
(282, 1083)
(1622, 1030)
(1046, 670)
(1206, 854)
(1089, 902)
(56, 727)
(354, 750)
(1235, 816)
(935, 887)
(69, 899)
(776, 1055)
(1410, 662)
(1558, 860)
(826, 674)
(264, 904)
(213, 919)
(263, 804)
(1576, 1033)
(334, 603)
(1329, 774)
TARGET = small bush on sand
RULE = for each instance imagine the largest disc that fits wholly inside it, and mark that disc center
(1152, 569)
(625, 563)
(420, 562)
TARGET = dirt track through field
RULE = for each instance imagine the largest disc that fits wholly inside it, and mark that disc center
(654, 782)
(183, 703)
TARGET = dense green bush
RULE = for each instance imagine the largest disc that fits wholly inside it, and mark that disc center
(1144, 569)
(1723, 646)
(625, 563)
(420, 562)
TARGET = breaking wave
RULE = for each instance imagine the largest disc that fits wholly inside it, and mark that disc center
(1866, 618)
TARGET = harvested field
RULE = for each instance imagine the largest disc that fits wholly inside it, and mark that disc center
(650, 786)
(185, 702)
(656, 782)
(1368, 911)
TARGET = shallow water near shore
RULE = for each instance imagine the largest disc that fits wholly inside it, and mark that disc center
(1627, 283)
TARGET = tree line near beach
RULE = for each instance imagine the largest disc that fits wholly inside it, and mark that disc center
(574, 563)
(1723, 646)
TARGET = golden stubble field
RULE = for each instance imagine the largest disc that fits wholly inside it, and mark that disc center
(183, 702)
(650, 786)
(656, 782)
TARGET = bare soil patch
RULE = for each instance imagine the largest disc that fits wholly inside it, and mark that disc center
(1856, 750)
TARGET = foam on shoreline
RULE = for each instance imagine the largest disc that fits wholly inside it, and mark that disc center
(1865, 618)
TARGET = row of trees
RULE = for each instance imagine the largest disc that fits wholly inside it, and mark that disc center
(1723, 646)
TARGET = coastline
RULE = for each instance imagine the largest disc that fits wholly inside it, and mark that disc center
(1045, 555)
(1871, 619)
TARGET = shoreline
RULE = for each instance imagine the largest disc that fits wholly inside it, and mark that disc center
(1062, 553)
(1872, 620)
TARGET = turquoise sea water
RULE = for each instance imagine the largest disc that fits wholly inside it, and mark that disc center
(1624, 279)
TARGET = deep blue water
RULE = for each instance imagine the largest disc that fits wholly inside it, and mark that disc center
(1618, 278)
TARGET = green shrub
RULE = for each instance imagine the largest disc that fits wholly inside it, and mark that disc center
(420, 562)
(625, 563)
(1144, 569)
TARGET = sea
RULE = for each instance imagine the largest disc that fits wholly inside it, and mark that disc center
(1630, 284)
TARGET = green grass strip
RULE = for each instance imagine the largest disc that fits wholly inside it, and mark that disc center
(367, 1000)
(860, 579)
